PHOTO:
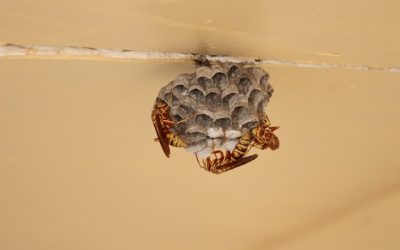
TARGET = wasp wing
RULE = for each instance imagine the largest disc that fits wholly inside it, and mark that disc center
(234, 164)
(162, 138)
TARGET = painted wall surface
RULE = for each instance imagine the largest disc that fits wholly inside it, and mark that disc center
(79, 168)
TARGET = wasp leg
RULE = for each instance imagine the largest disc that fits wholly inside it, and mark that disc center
(219, 157)
(168, 122)
(197, 158)
(205, 163)
(163, 108)
(210, 165)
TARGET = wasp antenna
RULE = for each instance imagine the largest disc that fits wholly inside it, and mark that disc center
(274, 128)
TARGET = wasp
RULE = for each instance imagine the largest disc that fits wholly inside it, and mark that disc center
(163, 124)
(222, 162)
(264, 136)
(261, 136)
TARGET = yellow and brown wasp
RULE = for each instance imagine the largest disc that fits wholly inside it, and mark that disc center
(163, 124)
(261, 136)
(221, 162)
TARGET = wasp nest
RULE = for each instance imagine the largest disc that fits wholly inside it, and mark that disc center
(213, 107)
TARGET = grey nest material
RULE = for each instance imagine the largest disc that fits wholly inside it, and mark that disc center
(213, 107)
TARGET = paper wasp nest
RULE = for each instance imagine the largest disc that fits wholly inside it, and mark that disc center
(214, 106)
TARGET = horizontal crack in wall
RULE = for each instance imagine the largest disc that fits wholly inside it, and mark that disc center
(14, 50)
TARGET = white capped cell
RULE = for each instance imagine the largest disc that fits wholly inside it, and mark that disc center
(229, 145)
(196, 147)
(233, 134)
(215, 132)
(204, 153)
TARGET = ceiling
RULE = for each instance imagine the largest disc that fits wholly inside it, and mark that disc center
(79, 168)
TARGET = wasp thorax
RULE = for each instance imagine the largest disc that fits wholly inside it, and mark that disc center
(213, 107)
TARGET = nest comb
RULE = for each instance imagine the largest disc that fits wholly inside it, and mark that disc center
(214, 106)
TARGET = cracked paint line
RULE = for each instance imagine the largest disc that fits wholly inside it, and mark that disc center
(73, 52)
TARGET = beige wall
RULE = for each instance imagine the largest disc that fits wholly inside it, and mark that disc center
(79, 168)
